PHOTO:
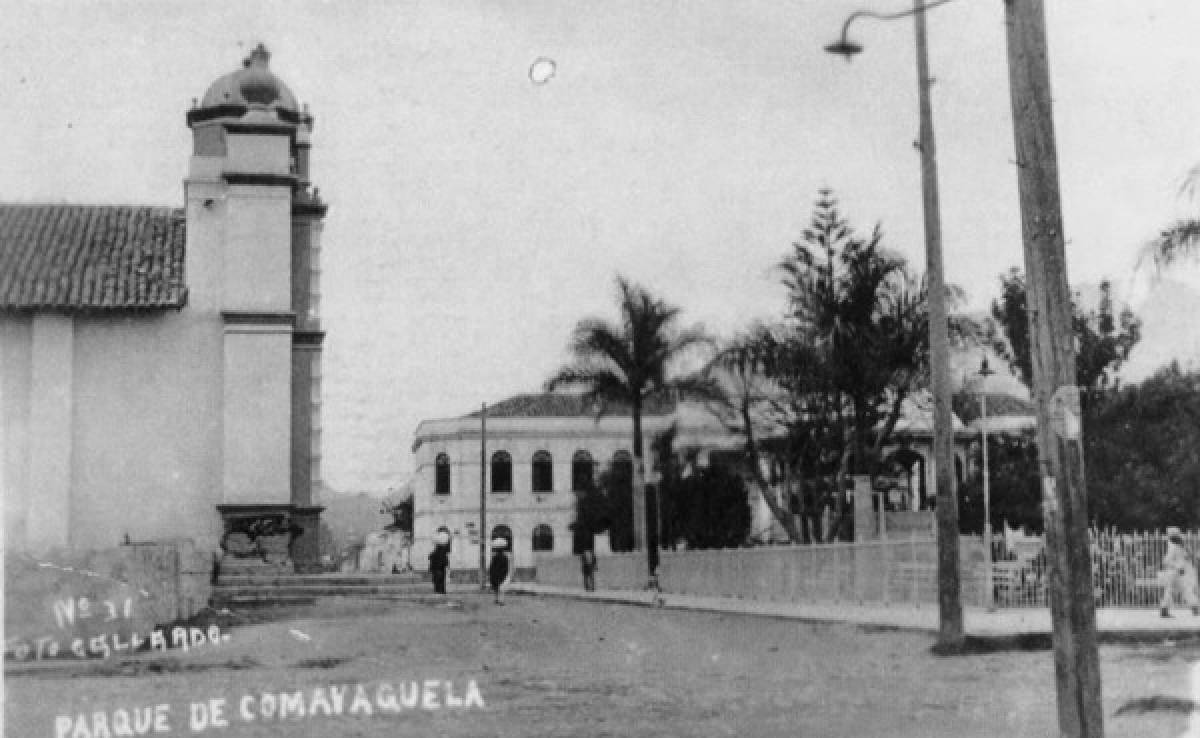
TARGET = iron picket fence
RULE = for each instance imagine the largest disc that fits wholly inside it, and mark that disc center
(1126, 568)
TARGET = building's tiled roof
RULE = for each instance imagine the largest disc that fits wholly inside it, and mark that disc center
(91, 257)
(552, 405)
(998, 404)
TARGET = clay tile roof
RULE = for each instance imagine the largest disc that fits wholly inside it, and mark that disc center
(552, 405)
(91, 257)
(998, 405)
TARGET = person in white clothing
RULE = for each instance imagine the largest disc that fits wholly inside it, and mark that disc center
(1179, 575)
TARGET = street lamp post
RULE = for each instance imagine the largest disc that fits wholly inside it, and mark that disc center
(950, 617)
(984, 372)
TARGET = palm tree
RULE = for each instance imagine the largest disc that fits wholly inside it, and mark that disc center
(626, 364)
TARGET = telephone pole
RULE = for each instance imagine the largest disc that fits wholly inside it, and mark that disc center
(1052, 338)
(483, 536)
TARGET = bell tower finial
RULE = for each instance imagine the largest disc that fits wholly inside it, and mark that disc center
(259, 56)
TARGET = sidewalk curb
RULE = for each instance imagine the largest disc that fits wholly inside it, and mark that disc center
(977, 641)
(672, 602)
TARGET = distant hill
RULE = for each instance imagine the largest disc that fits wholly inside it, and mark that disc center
(350, 517)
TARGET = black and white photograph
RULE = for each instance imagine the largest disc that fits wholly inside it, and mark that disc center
(819, 368)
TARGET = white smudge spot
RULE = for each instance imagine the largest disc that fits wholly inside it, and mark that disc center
(542, 70)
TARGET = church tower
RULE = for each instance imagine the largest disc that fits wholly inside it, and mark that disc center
(252, 213)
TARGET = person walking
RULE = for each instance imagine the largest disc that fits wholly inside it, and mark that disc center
(588, 562)
(498, 569)
(584, 546)
(439, 561)
(1179, 575)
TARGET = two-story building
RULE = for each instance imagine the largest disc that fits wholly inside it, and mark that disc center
(538, 451)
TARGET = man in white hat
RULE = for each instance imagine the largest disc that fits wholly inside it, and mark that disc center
(1178, 575)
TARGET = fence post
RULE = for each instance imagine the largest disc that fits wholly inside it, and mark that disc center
(886, 555)
(838, 576)
(916, 575)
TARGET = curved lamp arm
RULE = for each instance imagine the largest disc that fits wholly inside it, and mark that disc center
(848, 48)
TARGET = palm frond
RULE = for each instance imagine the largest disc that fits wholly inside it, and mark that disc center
(1179, 241)
(599, 341)
(587, 376)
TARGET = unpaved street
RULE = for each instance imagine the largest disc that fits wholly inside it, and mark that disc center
(554, 667)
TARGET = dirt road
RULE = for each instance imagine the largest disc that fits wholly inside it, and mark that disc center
(545, 667)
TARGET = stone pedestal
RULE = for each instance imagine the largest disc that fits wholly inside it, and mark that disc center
(258, 537)
(306, 546)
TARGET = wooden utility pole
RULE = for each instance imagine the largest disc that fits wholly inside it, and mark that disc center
(1052, 338)
(950, 616)
(483, 534)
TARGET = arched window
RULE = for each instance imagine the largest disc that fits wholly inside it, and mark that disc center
(622, 465)
(501, 472)
(582, 469)
(502, 531)
(543, 538)
(441, 465)
(543, 472)
(620, 498)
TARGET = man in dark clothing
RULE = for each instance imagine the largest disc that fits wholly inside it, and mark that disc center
(439, 560)
(498, 569)
(588, 562)
(584, 546)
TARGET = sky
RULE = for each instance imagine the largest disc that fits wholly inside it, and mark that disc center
(476, 216)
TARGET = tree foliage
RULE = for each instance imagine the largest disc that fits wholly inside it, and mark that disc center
(1179, 240)
(1142, 466)
(702, 506)
(1015, 486)
(1104, 335)
(835, 372)
(863, 315)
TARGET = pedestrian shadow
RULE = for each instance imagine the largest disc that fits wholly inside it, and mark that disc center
(1158, 703)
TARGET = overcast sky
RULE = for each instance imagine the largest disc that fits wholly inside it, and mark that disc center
(476, 216)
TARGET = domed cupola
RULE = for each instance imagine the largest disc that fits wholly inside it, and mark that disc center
(253, 86)
(257, 84)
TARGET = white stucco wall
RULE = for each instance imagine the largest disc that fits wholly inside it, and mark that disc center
(257, 414)
(256, 277)
(147, 427)
(51, 406)
(258, 153)
(15, 383)
(135, 445)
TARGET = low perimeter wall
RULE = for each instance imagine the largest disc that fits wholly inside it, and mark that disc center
(874, 572)
(107, 596)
